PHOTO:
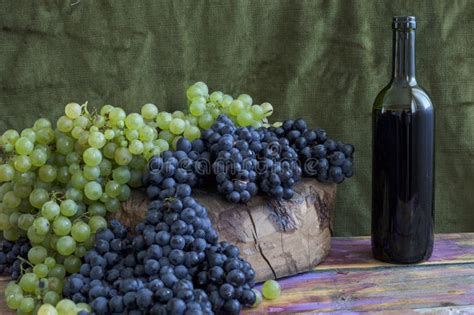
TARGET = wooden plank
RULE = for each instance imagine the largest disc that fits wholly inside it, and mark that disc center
(374, 290)
(355, 252)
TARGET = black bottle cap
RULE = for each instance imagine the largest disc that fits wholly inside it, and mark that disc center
(404, 23)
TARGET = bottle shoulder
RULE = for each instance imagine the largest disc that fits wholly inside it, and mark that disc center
(403, 97)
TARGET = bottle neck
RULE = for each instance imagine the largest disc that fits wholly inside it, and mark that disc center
(404, 56)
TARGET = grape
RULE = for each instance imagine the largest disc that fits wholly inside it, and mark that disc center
(47, 309)
(166, 136)
(62, 226)
(38, 197)
(93, 190)
(72, 264)
(136, 147)
(11, 200)
(41, 225)
(134, 121)
(191, 133)
(163, 120)
(7, 173)
(64, 124)
(41, 270)
(80, 231)
(27, 305)
(267, 109)
(91, 172)
(78, 180)
(10, 136)
(131, 134)
(271, 289)
(258, 299)
(245, 119)
(206, 121)
(68, 208)
(22, 163)
(66, 307)
(236, 107)
(14, 300)
(109, 134)
(246, 99)
(50, 262)
(97, 222)
(66, 245)
(112, 188)
(121, 175)
(96, 139)
(29, 282)
(37, 254)
(177, 126)
(146, 133)
(73, 110)
(47, 173)
(198, 106)
(109, 150)
(149, 111)
(217, 97)
(13, 288)
(92, 156)
(50, 210)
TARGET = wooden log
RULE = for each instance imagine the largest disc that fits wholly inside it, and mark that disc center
(279, 238)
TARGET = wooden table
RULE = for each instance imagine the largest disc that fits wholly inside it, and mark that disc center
(350, 282)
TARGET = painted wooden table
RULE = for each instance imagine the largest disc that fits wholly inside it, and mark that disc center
(351, 282)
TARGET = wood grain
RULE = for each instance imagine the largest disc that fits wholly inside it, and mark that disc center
(351, 282)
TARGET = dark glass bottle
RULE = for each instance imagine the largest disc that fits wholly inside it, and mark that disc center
(403, 159)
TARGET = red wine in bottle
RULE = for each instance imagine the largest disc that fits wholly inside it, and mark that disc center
(403, 159)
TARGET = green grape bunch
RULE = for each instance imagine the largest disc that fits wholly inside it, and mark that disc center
(59, 181)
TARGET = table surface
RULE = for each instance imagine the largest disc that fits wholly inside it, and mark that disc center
(350, 281)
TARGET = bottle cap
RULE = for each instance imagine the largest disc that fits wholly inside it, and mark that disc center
(404, 23)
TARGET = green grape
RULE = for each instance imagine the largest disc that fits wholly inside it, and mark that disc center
(64, 124)
(41, 225)
(25, 221)
(47, 173)
(37, 254)
(11, 200)
(177, 126)
(135, 179)
(166, 135)
(22, 191)
(96, 139)
(78, 180)
(45, 136)
(138, 163)
(22, 163)
(131, 134)
(122, 156)
(10, 136)
(206, 121)
(136, 147)
(236, 107)
(74, 168)
(112, 205)
(121, 175)
(25, 178)
(191, 120)
(215, 112)
(66, 245)
(112, 188)
(84, 306)
(163, 120)
(38, 197)
(258, 298)
(80, 231)
(50, 262)
(246, 99)
(93, 190)
(216, 97)
(7, 173)
(24, 146)
(105, 167)
(12, 234)
(66, 307)
(55, 284)
(124, 194)
(73, 110)
(33, 236)
(109, 134)
(99, 121)
(267, 109)
(97, 222)
(62, 226)
(245, 119)
(91, 172)
(84, 139)
(271, 289)
(106, 109)
(178, 114)
(92, 157)
(197, 89)
(192, 132)
(163, 144)
(50, 298)
(74, 194)
(68, 207)
(58, 271)
(50, 210)
(97, 208)
(257, 112)
(14, 300)
(28, 282)
(13, 288)
(72, 264)
(76, 132)
(38, 157)
(4, 222)
(80, 251)
(198, 106)
(109, 150)
(13, 218)
(149, 111)
(146, 133)
(134, 121)
(73, 158)
(41, 123)
(41, 270)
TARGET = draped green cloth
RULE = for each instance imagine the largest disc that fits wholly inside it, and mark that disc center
(324, 61)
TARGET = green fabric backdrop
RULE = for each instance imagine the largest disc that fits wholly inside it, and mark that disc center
(324, 61)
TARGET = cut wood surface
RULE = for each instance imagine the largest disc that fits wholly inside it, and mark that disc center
(351, 282)
(279, 238)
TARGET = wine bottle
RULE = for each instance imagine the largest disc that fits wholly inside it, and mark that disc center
(403, 159)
